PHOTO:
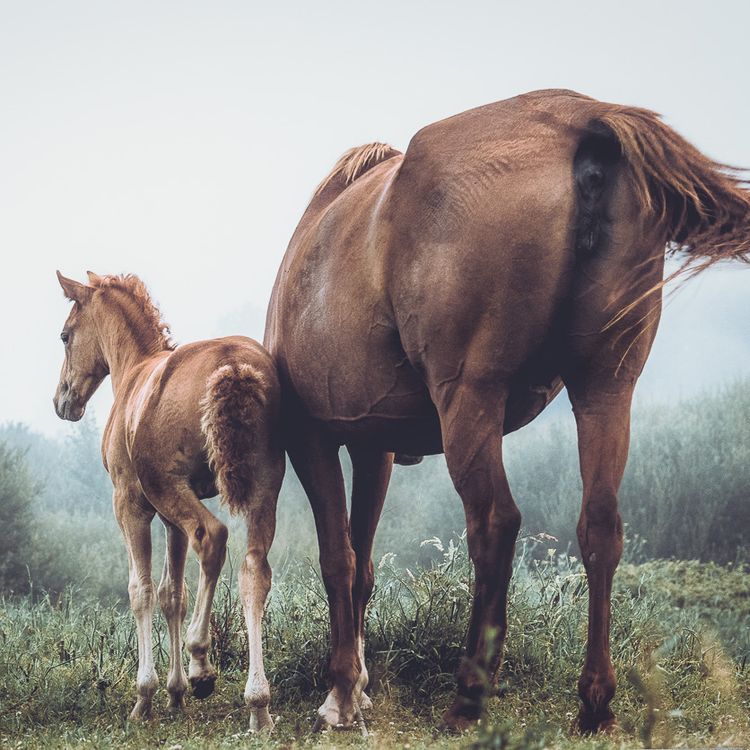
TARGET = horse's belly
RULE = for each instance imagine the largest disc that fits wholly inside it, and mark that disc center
(360, 387)
(527, 401)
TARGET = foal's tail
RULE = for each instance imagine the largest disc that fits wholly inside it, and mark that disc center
(703, 205)
(231, 413)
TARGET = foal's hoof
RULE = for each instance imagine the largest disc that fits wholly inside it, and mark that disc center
(142, 711)
(203, 686)
(176, 703)
(260, 720)
(591, 722)
(365, 702)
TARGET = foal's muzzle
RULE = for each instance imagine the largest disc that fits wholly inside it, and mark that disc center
(67, 404)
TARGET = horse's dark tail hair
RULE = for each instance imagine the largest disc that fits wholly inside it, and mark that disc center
(704, 206)
(231, 411)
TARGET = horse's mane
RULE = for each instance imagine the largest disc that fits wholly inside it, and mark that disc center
(136, 290)
(356, 161)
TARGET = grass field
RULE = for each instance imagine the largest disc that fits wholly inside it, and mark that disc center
(681, 646)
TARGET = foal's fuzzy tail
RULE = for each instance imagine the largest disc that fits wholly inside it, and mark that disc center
(703, 205)
(231, 411)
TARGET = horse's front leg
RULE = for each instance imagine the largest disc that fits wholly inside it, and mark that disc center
(371, 473)
(134, 516)
(471, 416)
(603, 420)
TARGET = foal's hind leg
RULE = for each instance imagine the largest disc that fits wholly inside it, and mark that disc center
(255, 580)
(472, 419)
(173, 601)
(134, 515)
(371, 474)
(208, 537)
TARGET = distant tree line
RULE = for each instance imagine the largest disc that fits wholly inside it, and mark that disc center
(686, 495)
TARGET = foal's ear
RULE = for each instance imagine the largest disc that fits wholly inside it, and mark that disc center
(74, 290)
(94, 278)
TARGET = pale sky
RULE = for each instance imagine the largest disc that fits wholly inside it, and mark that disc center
(182, 141)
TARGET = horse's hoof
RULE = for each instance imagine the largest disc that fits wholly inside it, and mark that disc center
(460, 716)
(402, 459)
(330, 717)
(593, 722)
(203, 686)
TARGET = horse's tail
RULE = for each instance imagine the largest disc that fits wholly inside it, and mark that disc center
(231, 412)
(704, 206)
(355, 162)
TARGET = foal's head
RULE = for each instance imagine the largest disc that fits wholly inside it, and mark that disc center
(84, 366)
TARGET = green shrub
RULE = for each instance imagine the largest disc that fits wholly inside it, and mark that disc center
(17, 492)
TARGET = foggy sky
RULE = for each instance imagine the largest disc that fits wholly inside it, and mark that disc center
(182, 142)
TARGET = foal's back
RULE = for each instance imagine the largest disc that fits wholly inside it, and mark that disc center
(155, 424)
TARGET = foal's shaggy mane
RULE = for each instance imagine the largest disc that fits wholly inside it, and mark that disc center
(356, 161)
(135, 289)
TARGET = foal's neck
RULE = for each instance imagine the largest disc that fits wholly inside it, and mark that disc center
(126, 342)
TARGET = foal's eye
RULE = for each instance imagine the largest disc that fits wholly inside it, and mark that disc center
(64, 337)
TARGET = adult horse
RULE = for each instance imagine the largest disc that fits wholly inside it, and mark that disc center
(434, 300)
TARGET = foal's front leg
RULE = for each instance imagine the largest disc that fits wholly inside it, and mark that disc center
(134, 516)
(173, 601)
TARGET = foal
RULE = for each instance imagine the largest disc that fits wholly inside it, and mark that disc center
(185, 423)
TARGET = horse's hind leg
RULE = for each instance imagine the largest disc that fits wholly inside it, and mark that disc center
(134, 516)
(472, 419)
(371, 474)
(316, 462)
(603, 419)
(604, 358)
(255, 579)
(173, 601)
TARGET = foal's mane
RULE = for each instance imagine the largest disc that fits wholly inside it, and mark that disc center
(131, 286)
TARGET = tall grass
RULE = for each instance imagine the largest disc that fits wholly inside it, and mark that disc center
(681, 644)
